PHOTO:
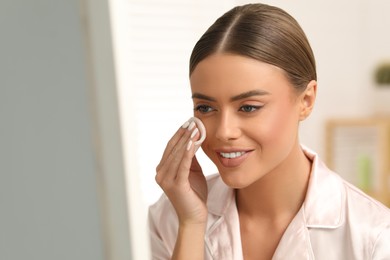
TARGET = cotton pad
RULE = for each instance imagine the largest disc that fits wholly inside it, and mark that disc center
(202, 131)
(190, 124)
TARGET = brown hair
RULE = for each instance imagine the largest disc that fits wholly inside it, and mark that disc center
(262, 32)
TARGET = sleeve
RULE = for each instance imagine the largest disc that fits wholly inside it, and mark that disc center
(163, 226)
(158, 249)
(381, 248)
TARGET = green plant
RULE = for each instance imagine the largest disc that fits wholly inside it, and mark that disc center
(382, 74)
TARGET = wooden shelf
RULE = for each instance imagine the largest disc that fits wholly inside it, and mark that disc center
(359, 150)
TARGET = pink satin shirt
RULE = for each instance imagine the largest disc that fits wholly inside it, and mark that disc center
(336, 221)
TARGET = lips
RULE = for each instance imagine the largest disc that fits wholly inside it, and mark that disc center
(232, 158)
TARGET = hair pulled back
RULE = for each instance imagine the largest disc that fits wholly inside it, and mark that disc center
(262, 32)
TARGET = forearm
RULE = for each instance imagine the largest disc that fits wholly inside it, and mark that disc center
(190, 243)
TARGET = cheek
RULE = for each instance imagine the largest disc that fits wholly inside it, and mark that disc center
(280, 126)
(210, 142)
(206, 146)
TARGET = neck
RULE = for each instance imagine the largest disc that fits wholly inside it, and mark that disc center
(280, 193)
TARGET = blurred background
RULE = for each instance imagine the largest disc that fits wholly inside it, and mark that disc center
(92, 90)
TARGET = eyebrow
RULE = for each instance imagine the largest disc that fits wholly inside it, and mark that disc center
(251, 93)
(244, 95)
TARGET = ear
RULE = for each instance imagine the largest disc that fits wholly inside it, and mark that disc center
(307, 100)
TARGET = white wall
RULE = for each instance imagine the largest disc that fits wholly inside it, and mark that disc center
(377, 50)
(49, 163)
(49, 201)
(348, 41)
(153, 40)
(153, 43)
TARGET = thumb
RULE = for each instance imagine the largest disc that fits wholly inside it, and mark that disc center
(195, 166)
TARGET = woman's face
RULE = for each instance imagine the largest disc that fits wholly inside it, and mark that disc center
(251, 113)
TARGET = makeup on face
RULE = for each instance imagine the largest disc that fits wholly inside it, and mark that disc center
(251, 118)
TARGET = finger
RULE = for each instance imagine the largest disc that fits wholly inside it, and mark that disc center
(196, 178)
(195, 166)
(188, 158)
(168, 169)
(174, 158)
(189, 125)
(172, 143)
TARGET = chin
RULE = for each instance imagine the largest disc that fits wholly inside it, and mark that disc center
(234, 182)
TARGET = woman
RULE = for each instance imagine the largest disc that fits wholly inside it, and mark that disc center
(253, 79)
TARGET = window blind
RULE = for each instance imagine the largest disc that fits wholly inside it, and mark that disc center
(152, 42)
(160, 36)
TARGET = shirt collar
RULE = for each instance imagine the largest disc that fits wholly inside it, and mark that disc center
(220, 195)
(325, 196)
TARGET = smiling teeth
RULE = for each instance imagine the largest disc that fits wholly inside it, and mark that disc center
(232, 155)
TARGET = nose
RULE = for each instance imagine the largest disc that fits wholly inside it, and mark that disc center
(227, 127)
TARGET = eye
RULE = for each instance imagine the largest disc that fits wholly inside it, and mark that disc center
(249, 108)
(204, 109)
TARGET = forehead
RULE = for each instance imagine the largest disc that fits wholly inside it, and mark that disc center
(233, 74)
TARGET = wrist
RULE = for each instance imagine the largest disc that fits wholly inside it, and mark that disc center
(193, 226)
(190, 241)
(193, 223)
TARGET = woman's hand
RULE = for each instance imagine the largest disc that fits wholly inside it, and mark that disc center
(180, 176)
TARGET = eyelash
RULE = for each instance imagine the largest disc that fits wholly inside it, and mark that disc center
(207, 109)
(202, 108)
(251, 107)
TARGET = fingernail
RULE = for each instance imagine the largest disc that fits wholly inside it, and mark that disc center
(191, 126)
(196, 130)
(189, 145)
(185, 125)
